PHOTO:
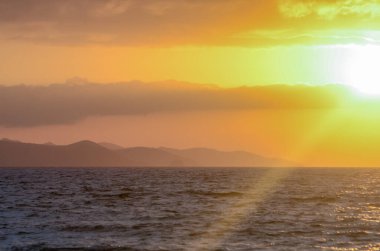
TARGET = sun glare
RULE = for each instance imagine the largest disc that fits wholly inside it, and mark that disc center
(362, 69)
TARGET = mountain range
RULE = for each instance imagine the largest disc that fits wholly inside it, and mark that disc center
(91, 154)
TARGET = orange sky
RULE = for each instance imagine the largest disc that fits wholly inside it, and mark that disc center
(142, 44)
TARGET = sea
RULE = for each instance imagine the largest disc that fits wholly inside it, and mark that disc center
(72, 209)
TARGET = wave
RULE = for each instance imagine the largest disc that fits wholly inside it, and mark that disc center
(315, 199)
(214, 194)
(94, 228)
(122, 195)
(45, 247)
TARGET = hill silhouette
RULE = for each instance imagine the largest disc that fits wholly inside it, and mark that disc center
(90, 154)
(111, 146)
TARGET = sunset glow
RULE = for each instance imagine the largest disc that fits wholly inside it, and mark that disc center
(314, 64)
(189, 125)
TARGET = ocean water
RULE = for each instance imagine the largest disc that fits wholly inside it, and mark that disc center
(189, 209)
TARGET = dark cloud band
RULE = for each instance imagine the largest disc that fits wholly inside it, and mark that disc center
(22, 106)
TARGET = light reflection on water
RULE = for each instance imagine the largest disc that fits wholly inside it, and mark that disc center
(187, 209)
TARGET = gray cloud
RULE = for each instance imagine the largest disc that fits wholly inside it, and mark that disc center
(185, 22)
(123, 21)
(23, 106)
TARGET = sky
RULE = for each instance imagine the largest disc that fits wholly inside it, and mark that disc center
(295, 79)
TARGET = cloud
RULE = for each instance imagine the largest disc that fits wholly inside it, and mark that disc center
(23, 106)
(330, 9)
(165, 23)
(130, 22)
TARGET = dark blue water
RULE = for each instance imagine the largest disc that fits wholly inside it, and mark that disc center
(189, 209)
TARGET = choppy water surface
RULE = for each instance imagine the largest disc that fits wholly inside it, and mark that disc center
(189, 209)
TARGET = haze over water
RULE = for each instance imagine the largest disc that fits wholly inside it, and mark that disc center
(189, 209)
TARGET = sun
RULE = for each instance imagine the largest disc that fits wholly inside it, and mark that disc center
(362, 69)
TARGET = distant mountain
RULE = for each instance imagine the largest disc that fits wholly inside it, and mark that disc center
(9, 140)
(146, 156)
(111, 146)
(84, 153)
(211, 157)
(49, 144)
(90, 154)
